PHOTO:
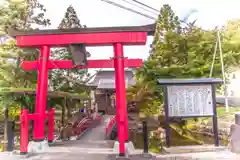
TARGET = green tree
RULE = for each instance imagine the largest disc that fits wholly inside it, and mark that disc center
(68, 80)
(18, 14)
(163, 54)
(181, 52)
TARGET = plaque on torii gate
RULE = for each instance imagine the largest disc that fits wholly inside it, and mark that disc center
(104, 36)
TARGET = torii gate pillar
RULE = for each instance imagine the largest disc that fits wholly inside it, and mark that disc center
(121, 105)
(41, 94)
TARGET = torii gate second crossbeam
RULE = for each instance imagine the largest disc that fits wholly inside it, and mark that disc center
(108, 36)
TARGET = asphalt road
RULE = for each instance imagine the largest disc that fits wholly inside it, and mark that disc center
(232, 101)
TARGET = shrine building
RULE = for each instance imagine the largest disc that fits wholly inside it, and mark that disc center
(103, 86)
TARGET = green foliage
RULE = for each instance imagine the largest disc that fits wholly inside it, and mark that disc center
(68, 80)
(181, 51)
(19, 14)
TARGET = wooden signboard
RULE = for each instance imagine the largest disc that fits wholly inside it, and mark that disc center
(190, 100)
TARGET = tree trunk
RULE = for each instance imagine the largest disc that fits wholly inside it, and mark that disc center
(32, 123)
(5, 127)
(69, 108)
(63, 110)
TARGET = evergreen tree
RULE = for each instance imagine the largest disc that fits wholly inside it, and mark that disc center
(68, 80)
(70, 19)
(20, 15)
(178, 52)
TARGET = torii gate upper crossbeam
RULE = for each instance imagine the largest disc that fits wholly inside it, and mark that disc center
(67, 64)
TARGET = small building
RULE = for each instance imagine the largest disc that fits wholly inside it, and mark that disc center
(234, 85)
(103, 86)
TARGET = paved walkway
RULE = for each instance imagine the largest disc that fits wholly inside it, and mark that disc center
(93, 146)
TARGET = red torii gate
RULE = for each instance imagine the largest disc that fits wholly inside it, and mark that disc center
(116, 36)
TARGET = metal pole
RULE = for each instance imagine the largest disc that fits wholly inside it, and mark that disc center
(223, 72)
(145, 137)
(121, 109)
(11, 128)
(41, 94)
(214, 57)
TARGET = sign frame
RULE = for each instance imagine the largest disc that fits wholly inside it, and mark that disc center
(189, 82)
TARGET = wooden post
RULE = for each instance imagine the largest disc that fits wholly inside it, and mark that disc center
(5, 127)
(214, 118)
(63, 110)
(166, 123)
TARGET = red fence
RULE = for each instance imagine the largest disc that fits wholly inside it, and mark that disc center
(25, 117)
(111, 124)
(84, 125)
(87, 123)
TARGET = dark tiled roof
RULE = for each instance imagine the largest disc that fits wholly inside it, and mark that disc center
(106, 79)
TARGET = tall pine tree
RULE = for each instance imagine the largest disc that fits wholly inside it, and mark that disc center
(68, 80)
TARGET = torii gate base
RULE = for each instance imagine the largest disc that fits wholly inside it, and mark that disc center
(90, 37)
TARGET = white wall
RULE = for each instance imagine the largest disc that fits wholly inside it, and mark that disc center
(234, 84)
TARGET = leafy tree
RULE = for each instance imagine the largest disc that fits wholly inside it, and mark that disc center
(179, 52)
(69, 79)
(19, 14)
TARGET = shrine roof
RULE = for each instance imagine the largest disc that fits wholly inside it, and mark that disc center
(190, 81)
(106, 79)
(150, 29)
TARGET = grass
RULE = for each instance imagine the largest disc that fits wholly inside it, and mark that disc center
(221, 111)
(225, 119)
(221, 114)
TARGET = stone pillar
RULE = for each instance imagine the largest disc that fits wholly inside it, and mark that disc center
(234, 135)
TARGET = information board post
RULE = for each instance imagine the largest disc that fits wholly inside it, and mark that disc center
(190, 98)
(167, 120)
(214, 118)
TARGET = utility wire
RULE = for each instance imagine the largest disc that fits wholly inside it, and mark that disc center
(158, 12)
(140, 7)
(129, 9)
(145, 5)
(139, 13)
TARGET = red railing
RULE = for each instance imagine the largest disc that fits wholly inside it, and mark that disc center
(82, 126)
(98, 117)
(110, 126)
(87, 123)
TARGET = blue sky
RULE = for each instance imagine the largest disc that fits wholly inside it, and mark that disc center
(95, 13)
